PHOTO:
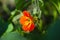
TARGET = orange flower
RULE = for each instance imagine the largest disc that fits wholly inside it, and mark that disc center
(27, 22)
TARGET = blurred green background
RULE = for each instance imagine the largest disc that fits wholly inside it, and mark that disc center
(46, 14)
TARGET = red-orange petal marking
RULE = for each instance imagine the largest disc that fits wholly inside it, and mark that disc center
(28, 26)
(26, 13)
(32, 27)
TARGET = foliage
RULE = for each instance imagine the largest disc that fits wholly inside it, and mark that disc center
(46, 15)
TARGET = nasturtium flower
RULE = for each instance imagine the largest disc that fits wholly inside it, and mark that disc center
(27, 22)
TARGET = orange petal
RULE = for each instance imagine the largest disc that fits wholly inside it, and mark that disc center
(23, 19)
(26, 13)
(28, 26)
(25, 26)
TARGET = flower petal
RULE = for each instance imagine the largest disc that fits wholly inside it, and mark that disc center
(28, 26)
(23, 19)
(26, 13)
(32, 26)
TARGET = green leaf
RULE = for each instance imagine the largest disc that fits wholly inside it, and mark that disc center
(55, 14)
(40, 25)
(13, 12)
(13, 36)
(3, 26)
(59, 6)
(15, 18)
(10, 28)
